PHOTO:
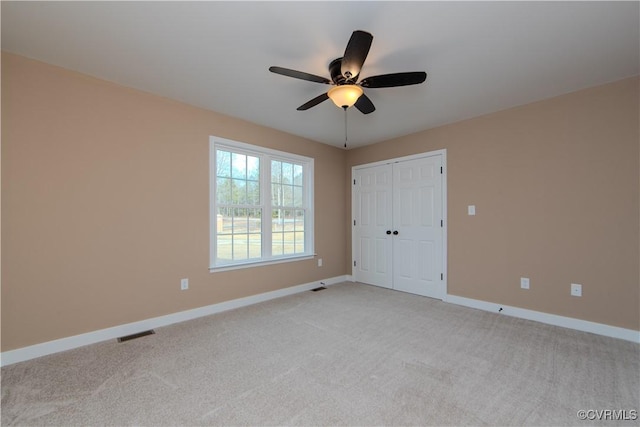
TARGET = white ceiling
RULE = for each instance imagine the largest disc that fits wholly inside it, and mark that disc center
(480, 56)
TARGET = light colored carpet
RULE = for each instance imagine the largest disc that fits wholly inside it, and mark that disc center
(349, 355)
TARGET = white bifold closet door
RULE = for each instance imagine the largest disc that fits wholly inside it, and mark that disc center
(398, 226)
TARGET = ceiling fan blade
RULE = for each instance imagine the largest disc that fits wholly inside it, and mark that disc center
(393, 80)
(315, 101)
(355, 54)
(364, 104)
(299, 75)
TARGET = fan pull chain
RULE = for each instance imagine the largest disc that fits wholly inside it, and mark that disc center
(345, 126)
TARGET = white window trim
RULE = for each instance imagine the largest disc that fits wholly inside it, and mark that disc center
(266, 155)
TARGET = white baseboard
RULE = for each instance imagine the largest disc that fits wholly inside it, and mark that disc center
(550, 319)
(63, 344)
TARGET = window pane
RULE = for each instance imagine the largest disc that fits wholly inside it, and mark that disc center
(253, 193)
(297, 174)
(241, 221)
(255, 245)
(223, 163)
(277, 226)
(224, 238)
(287, 199)
(255, 220)
(276, 195)
(287, 173)
(276, 244)
(240, 246)
(220, 218)
(238, 166)
(224, 247)
(289, 243)
(223, 188)
(277, 220)
(288, 219)
(239, 189)
(223, 220)
(276, 171)
(253, 168)
(299, 242)
(297, 197)
(299, 220)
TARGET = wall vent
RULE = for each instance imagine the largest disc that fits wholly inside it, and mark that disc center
(138, 335)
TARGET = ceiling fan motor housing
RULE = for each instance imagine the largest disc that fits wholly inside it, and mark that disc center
(336, 73)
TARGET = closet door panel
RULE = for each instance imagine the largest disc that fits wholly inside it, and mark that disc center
(417, 212)
(372, 219)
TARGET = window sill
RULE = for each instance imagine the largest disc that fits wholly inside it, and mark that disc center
(229, 267)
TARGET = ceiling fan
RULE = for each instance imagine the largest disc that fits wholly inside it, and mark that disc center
(345, 71)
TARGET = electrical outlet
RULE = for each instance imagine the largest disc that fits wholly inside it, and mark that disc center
(576, 289)
(184, 284)
(319, 262)
(524, 282)
(471, 210)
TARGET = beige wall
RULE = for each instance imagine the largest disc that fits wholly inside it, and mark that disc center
(556, 188)
(105, 205)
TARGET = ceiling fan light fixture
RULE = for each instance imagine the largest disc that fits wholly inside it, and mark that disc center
(344, 96)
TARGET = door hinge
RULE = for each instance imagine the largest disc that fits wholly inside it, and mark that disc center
(441, 276)
(354, 263)
(441, 170)
(354, 222)
(441, 223)
(354, 182)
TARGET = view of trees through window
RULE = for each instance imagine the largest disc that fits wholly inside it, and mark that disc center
(241, 211)
(287, 230)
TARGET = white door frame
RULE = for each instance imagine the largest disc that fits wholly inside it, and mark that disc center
(443, 153)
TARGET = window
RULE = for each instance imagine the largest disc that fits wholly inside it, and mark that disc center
(261, 205)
